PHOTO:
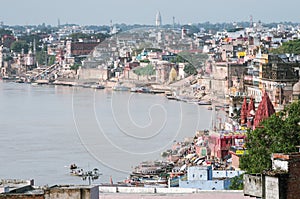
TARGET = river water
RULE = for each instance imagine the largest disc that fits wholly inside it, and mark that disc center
(46, 128)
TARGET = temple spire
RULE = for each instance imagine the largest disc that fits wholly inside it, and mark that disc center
(265, 109)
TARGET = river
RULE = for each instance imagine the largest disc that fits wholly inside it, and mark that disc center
(46, 128)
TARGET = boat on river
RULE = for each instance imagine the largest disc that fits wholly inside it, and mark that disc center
(121, 88)
(97, 86)
(204, 103)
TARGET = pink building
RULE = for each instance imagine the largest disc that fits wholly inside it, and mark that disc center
(220, 143)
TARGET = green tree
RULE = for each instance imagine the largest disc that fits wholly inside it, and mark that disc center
(51, 60)
(75, 66)
(236, 183)
(280, 134)
(5, 32)
(17, 46)
(147, 70)
(189, 69)
(41, 57)
(292, 46)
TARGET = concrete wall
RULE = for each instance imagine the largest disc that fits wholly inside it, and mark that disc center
(72, 192)
(205, 184)
(93, 192)
(253, 185)
(62, 193)
(271, 187)
(135, 190)
(144, 190)
(106, 189)
(92, 73)
(226, 173)
(199, 173)
(175, 190)
(280, 165)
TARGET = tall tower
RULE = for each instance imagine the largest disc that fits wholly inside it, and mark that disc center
(158, 19)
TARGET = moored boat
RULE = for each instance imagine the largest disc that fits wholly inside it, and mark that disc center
(121, 88)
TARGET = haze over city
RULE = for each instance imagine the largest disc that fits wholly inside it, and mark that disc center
(95, 12)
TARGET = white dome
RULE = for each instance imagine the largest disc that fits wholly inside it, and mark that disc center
(296, 88)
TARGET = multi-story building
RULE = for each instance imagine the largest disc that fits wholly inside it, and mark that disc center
(272, 74)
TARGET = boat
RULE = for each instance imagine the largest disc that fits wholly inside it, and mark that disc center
(140, 90)
(97, 86)
(121, 88)
(209, 108)
(204, 103)
(73, 166)
(77, 172)
(170, 95)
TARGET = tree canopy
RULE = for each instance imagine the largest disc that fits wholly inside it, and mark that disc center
(5, 32)
(280, 134)
(17, 46)
(147, 70)
(291, 47)
(189, 69)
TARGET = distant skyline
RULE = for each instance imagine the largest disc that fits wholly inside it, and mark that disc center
(100, 12)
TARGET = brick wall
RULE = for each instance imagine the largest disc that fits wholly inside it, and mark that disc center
(293, 182)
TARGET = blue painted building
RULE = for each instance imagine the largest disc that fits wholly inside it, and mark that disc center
(204, 178)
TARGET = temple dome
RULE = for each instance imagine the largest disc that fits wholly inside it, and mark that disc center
(296, 88)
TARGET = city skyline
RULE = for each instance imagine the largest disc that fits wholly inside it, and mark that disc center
(93, 12)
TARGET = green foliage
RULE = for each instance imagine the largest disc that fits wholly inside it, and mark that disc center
(280, 134)
(75, 66)
(178, 59)
(41, 57)
(8, 58)
(145, 61)
(17, 46)
(292, 46)
(148, 70)
(189, 69)
(51, 60)
(5, 32)
(236, 183)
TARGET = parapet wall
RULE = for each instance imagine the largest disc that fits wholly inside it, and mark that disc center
(151, 190)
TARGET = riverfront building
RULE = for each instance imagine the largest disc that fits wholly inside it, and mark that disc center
(205, 178)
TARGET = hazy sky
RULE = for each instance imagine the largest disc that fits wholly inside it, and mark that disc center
(100, 12)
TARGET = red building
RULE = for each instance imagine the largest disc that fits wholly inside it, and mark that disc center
(80, 48)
